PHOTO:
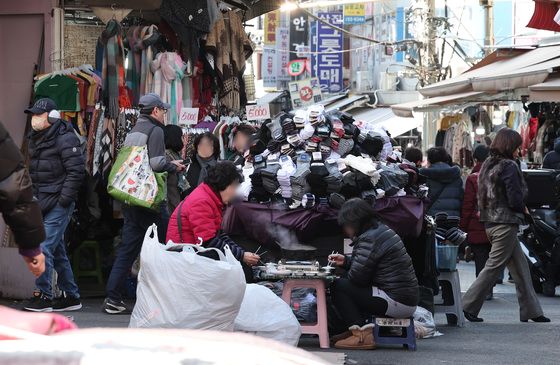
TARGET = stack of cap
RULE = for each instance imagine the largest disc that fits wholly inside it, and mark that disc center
(269, 175)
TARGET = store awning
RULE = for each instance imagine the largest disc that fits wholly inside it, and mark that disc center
(384, 117)
(545, 91)
(525, 69)
(405, 109)
(346, 103)
(269, 98)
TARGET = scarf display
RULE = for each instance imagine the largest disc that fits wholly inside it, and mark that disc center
(107, 147)
(169, 70)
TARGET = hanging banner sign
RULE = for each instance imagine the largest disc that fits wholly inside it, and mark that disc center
(271, 21)
(297, 67)
(189, 116)
(354, 14)
(283, 56)
(257, 112)
(299, 32)
(269, 67)
(305, 92)
(329, 60)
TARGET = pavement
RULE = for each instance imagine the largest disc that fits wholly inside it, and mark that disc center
(501, 339)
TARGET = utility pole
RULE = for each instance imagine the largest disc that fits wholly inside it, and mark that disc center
(488, 25)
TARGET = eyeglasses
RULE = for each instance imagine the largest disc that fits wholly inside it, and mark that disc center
(164, 111)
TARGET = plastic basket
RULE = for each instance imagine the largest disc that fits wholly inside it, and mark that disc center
(447, 257)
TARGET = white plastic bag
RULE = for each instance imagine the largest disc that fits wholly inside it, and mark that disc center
(266, 315)
(185, 290)
(424, 323)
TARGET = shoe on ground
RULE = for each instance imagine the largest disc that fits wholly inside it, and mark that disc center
(472, 318)
(549, 290)
(39, 303)
(361, 339)
(539, 319)
(342, 336)
(66, 304)
(115, 307)
(469, 255)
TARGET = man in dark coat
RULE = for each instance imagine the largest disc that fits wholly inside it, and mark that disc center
(57, 171)
(19, 210)
(444, 182)
(552, 159)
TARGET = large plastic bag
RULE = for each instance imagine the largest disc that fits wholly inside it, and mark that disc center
(180, 289)
(424, 324)
(266, 315)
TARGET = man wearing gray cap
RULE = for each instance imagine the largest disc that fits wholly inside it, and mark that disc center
(148, 131)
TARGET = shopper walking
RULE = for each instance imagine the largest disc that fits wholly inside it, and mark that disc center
(478, 242)
(148, 131)
(17, 206)
(444, 183)
(177, 184)
(501, 195)
(57, 171)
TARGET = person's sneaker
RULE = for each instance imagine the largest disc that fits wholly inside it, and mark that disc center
(115, 307)
(39, 303)
(66, 304)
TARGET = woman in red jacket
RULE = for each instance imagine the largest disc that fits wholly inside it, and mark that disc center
(198, 218)
(479, 244)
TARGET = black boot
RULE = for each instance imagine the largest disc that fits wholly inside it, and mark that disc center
(539, 319)
(472, 318)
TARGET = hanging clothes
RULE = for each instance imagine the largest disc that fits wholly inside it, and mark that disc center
(168, 69)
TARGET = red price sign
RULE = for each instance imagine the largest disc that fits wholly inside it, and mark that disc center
(257, 112)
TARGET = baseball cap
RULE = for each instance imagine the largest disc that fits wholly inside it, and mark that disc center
(43, 105)
(152, 100)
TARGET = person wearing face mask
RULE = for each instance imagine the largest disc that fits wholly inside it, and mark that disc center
(198, 218)
(205, 154)
(57, 170)
(148, 131)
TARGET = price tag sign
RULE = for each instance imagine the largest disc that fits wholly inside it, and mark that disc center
(189, 116)
(257, 112)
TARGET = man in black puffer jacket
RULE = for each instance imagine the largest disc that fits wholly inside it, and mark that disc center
(381, 279)
(20, 211)
(57, 172)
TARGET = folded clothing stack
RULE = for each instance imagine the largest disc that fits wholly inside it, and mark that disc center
(299, 178)
(318, 172)
(448, 229)
(269, 175)
(287, 169)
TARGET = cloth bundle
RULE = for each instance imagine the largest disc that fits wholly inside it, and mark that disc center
(318, 172)
(299, 178)
(269, 179)
(287, 169)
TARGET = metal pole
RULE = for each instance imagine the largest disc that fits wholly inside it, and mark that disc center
(488, 24)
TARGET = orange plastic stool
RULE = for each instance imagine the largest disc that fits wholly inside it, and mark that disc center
(320, 328)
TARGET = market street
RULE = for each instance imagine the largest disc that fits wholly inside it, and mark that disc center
(501, 339)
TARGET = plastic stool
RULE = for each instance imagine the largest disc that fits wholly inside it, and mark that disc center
(407, 339)
(454, 312)
(321, 327)
(96, 271)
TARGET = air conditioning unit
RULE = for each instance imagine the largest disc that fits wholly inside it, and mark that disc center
(364, 82)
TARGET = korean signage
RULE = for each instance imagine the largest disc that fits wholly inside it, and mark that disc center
(269, 67)
(282, 54)
(271, 21)
(258, 112)
(299, 32)
(354, 14)
(189, 116)
(297, 67)
(329, 46)
(305, 92)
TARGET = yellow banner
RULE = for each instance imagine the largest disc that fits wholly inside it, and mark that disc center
(271, 21)
(355, 10)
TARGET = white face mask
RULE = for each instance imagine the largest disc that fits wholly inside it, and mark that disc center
(39, 122)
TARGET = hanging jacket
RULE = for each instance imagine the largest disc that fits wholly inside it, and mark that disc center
(57, 165)
(17, 206)
(446, 188)
(379, 259)
(201, 219)
(552, 159)
(470, 217)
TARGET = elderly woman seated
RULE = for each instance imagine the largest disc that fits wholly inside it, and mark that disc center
(380, 281)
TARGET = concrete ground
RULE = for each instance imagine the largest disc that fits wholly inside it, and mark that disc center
(501, 339)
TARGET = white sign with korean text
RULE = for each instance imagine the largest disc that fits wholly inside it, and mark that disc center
(189, 116)
(258, 112)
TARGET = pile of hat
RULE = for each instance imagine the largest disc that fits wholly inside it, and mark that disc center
(447, 229)
(301, 159)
